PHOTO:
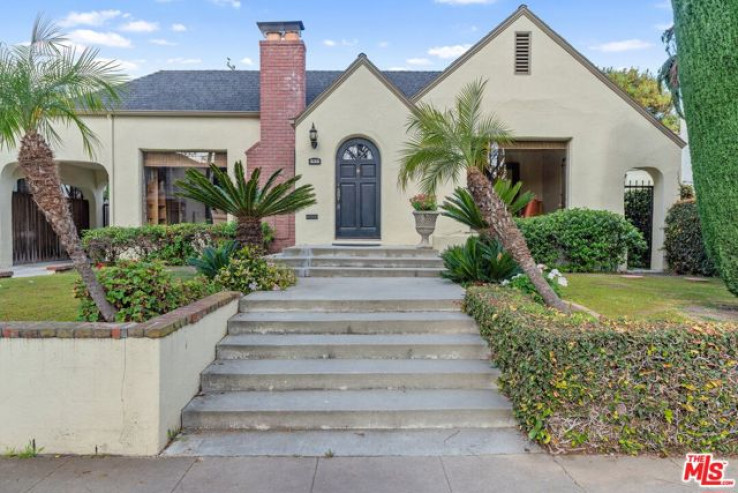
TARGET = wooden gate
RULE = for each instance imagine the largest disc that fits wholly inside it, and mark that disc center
(33, 238)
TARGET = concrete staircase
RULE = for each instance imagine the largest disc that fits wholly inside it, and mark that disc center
(353, 366)
(361, 261)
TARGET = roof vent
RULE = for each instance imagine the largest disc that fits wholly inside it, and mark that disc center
(522, 53)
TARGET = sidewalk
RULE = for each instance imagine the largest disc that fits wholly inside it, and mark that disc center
(481, 474)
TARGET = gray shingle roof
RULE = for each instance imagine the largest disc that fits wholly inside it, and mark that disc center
(233, 90)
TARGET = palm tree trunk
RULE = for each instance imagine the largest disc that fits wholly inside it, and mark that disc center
(503, 226)
(249, 232)
(37, 162)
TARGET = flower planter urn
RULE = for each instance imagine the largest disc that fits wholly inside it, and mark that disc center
(425, 225)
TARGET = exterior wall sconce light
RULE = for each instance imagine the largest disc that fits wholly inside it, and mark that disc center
(313, 136)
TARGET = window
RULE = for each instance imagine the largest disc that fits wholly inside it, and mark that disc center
(161, 172)
(522, 53)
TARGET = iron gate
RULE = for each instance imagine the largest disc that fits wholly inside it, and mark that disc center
(639, 212)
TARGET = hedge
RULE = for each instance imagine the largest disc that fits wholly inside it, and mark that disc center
(173, 245)
(581, 240)
(706, 35)
(683, 243)
(582, 385)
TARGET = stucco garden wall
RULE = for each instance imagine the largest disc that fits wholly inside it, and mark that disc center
(105, 388)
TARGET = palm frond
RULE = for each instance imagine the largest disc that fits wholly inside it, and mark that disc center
(47, 82)
(461, 208)
(445, 143)
(246, 198)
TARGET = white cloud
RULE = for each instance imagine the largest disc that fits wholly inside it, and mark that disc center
(349, 42)
(384, 44)
(418, 62)
(236, 4)
(451, 51)
(140, 27)
(90, 37)
(465, 2)
(162, 42)
(397, 69)
(125, 65)
(621, 46)
(179, 28)
(184, 61)
(247, 61)
(92, 18)
(329, 42)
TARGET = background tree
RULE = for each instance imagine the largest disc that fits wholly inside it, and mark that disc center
(446, 144)
(707, 34)
(645, 88)
(669, 72)
(245, 200)
(42, 84)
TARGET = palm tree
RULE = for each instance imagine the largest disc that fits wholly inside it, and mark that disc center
(668, 75)
(41, 84)
(446, 144)
(245, 200)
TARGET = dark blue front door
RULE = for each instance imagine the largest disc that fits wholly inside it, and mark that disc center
(357, 190)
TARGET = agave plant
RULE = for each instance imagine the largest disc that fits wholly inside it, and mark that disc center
(480, 259)
(246, 200)
(213, 259)
(462, 208)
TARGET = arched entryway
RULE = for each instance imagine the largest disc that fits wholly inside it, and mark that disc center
(358, 204)
(25, 236)
(643, 197)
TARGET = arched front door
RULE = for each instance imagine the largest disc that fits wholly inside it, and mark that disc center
(357, 190)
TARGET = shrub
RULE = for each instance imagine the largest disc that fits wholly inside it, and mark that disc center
(173, 245)
(683, 243)
(249, 271)
(479, 260)
(582, 385)
(140, 291)
(213, 259)
(581, 240)
(553, 277)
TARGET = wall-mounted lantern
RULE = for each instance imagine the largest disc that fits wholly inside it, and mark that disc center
(313, 136)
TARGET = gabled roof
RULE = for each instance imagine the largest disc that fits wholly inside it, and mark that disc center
(411, 81)
(523, 10)
(233, 90)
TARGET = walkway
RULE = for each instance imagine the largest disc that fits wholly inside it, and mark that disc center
(508, 474)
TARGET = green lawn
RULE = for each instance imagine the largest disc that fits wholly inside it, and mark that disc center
(39, 298)
(49, 297)
(653, 297)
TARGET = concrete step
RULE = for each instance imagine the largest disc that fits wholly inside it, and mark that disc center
(335, 410)
(257, 304)
(358, 251)
(368, 272)
(343, 374)
(353, 443)
(320, 346)
(359, 322)
(433, 262)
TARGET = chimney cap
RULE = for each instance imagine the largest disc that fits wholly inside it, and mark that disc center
(280, 27)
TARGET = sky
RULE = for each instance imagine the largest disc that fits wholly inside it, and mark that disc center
(150, 35)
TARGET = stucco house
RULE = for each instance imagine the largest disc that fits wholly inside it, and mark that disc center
(577, 135)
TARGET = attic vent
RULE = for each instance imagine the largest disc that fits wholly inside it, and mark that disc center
(522, 53)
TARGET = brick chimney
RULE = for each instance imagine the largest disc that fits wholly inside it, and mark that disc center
(282, 93)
